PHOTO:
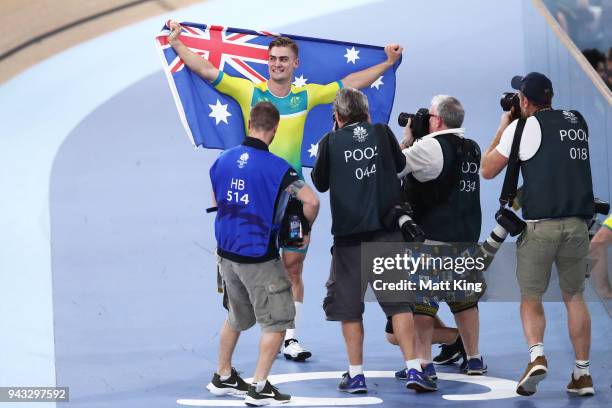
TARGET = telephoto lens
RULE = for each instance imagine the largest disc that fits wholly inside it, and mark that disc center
(403, 117)
(507, 223)
(494, 240)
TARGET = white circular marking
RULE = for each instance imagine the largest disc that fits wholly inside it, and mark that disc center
(499, 388)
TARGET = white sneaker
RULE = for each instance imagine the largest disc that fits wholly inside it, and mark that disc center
(293, 351)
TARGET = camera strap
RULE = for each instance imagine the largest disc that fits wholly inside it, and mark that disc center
(508, 193)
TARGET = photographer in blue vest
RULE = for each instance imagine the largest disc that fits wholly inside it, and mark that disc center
(251, 188)
(557, 200)
(358, 163)
(442, 184)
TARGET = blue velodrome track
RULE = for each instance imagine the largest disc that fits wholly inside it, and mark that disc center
(106, 266)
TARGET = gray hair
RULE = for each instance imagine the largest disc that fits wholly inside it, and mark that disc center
(351, 105)
(449, 110)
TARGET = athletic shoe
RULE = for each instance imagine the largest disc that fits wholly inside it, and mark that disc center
(293, 351)
(402, 374)
(464, 366)
(420, 382)
(430, 371)
(269, 395)
(356, 385)
(475, 366)
(582, 386)
(536, 371)
(450, 353)
(234, 385)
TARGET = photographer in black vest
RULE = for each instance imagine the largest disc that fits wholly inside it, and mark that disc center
(358, 163)
(442, 184)
(557, 200)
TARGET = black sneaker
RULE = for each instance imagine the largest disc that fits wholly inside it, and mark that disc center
(269, 395)
(450, 353)
(234, 385)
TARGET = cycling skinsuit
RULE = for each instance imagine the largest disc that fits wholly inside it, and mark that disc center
(293, 109)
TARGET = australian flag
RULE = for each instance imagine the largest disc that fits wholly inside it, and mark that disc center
(214, 120)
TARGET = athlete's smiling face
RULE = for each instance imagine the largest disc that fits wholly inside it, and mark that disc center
(281, 64)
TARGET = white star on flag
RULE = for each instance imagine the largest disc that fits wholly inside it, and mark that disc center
(351, 55)
(376, 84)
(314, 148)
(219, 112)
(300, 81)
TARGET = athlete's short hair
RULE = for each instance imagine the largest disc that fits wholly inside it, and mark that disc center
(284, 42)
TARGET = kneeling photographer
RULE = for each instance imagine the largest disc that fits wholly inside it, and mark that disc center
(442, 183)
(557, 200)
(358, 163)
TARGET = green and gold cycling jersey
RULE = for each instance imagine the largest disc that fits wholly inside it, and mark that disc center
(293, 108)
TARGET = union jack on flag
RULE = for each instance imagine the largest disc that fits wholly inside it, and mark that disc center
(214, 120)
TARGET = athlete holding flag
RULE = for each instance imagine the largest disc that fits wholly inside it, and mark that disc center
(293, 103)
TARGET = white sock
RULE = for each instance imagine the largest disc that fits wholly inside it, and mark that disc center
(581, 368)
(355, 370)
(536, 351)
(291, 333)
(224, 377)
(477, 356)
(259, 385)
(416, 364)
(423, 363)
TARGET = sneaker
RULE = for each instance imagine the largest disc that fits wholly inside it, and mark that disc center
(430, 371)
(475, 366)
(234, 385)
(463, 367)
(536, 371)
(356, 385)
(402, 374)
(420, 382)
(582, 386)
(294, 351)
(269, 395)
(450, 353)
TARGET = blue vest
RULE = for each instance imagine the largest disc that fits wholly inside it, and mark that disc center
(246, 183)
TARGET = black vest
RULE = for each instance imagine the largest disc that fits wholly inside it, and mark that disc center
(448, 208)
(363, 181)
(557, 180)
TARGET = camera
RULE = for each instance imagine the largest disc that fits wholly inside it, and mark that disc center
(400, 215)
(419, 124)
(294, 225)
(511, 100)
(507, 223)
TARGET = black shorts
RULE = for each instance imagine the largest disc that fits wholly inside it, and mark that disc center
(344, 286)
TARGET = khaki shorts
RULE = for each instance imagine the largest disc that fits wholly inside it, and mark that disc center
(259, 293)
(564, 242)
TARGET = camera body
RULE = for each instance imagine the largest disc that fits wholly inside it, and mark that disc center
(419, 124)
(400, 215)
(509, 221)
(294, 225)
(511, 100)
